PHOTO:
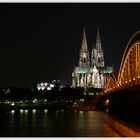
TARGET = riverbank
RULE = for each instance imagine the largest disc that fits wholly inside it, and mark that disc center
(52, 107)
(7, 107)
(82, 108)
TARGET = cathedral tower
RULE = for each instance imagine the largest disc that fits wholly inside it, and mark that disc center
(98, 53)
(84, 53)
(93, 75)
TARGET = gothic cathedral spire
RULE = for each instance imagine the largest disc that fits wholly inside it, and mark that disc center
(99, 54)
(98, 41)
(84, 42)
(84, 53)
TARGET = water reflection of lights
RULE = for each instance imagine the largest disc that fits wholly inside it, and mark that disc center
(45, 111)
(26, 111)
(21, 111)
(107, 110)
(51, 85)
(62, 110)
(81, 112)
(34, 110)
(107, 101)
(57, 111)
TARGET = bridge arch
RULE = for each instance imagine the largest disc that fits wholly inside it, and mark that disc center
(130, 65)
(129, 72)
(111, 82)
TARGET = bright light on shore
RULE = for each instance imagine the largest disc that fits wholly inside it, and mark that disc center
(12, 111)
(12, 104)
(51, 85)
(48, 88)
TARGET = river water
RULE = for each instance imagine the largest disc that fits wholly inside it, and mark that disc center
(59, 123)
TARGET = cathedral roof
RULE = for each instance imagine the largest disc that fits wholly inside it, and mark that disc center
(83, 70)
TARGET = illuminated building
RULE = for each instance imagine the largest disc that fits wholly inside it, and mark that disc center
(44, 85)
(92, 71)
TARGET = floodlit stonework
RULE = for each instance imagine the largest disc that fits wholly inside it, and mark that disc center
(91, 72)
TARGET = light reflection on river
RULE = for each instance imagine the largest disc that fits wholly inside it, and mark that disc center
(54, 123)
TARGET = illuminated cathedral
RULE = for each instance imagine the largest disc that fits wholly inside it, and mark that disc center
(91, 71)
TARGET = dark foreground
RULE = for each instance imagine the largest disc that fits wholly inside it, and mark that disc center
(57, 123)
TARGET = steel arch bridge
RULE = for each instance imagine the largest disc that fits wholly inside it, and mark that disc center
(129, 72)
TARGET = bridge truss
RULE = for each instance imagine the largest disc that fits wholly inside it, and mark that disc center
(129, 72)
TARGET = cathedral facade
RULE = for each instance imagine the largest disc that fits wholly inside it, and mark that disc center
(91, 70)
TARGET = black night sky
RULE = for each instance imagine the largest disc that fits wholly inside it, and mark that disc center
(41, 41)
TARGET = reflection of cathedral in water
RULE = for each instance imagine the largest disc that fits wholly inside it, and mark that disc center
(91, 71)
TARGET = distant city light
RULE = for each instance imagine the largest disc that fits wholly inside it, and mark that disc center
(12, 111)
(12, 104)
(82, 100)
(51, 85)
(44, 85)
(49, 88)
(35, 100)
(53, 81)
(107, 102)
(38, 87)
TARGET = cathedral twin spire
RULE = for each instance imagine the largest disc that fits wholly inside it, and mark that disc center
(84, 42)
(91, 70)
(84, 53)
(97, 56)
(98, 41)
